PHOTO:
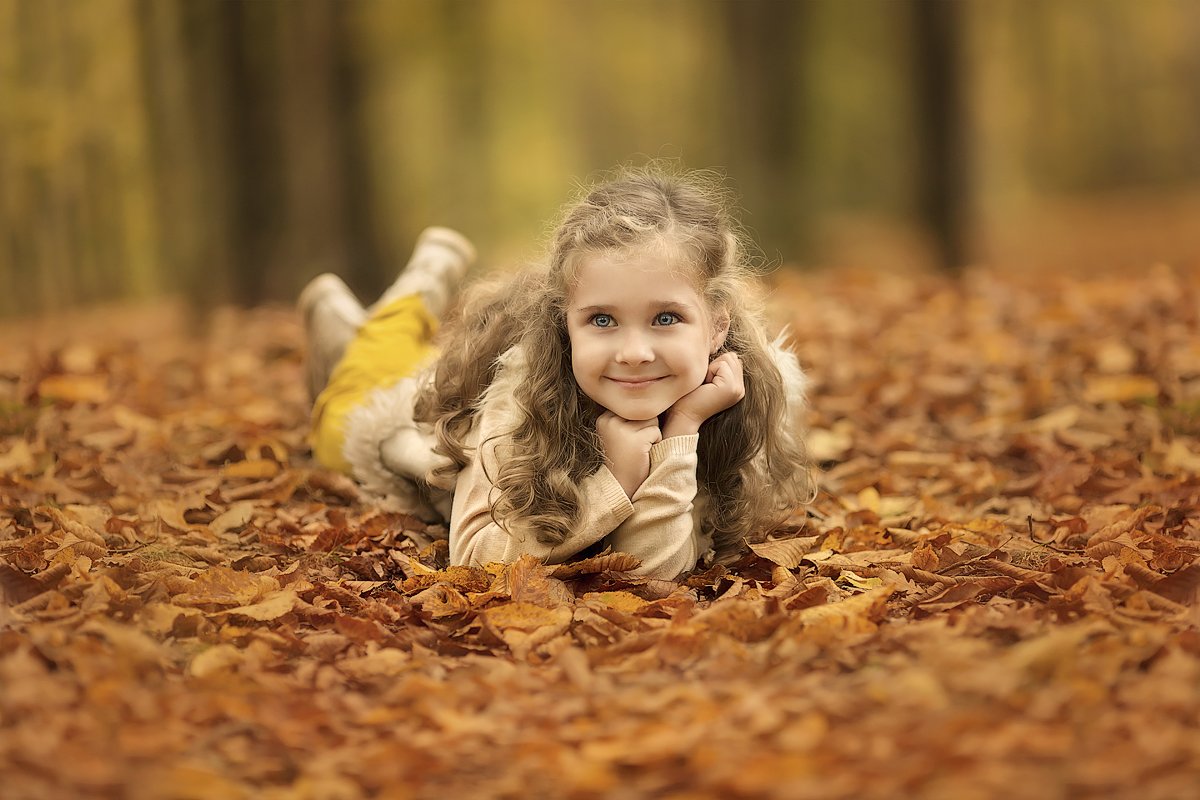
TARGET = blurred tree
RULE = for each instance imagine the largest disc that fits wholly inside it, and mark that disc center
(234, 149)
(258, 145)
(938, 89)
(764, 115)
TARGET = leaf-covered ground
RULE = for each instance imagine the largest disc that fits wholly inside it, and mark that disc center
(995, 594)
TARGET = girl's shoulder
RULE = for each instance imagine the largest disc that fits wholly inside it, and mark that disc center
(512, 369)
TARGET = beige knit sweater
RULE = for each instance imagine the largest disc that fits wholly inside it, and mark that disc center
(392, 456)
(656, 525)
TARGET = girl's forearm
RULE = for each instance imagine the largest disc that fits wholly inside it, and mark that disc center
(660, 532)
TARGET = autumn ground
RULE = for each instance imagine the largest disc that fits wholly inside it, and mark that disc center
(995, 594)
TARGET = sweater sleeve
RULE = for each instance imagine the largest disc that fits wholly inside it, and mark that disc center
(476, 538)
(661, 531)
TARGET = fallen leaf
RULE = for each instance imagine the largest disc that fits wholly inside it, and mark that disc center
(223, 586)
(856, 615)
(524, 626)
(236, 516)
(273, 606)
(75, 388)
(255, 469)
(785, 552)
(19, 458)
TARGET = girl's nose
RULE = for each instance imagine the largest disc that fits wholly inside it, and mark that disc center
(634, 348)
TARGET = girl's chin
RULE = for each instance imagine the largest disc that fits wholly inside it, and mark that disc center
(636, 414)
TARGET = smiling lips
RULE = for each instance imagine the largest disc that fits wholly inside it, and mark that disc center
(636, 383)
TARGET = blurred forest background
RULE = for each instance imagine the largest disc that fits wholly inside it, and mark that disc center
(228, 151)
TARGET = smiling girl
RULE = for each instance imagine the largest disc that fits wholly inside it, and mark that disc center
(625, 395)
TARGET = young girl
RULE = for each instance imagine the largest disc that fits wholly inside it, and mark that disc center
(624, 395)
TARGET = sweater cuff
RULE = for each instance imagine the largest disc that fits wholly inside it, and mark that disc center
(612, 494)
(673, 446)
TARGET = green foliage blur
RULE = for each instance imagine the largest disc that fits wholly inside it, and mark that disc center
(229, 151)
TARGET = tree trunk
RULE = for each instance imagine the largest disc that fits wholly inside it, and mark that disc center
(938, 84)
(764, 115)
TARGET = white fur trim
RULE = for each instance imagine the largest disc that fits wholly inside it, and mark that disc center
(386, 415)
(795, 382)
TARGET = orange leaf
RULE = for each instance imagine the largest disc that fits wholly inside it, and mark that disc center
(75, 388)
(254, 468)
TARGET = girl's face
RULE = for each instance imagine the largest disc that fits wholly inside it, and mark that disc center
(641, 334)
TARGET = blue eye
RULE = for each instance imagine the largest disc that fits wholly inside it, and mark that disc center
(603, 321)
(666, 318)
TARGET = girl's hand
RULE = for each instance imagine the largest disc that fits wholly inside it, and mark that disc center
(723, 388)
(627, 448)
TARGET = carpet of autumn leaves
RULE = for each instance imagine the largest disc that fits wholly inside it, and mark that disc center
(994, 594)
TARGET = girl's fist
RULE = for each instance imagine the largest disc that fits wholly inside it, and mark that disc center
(627, 448)
(723, 387)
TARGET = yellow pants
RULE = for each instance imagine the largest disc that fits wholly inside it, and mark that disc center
(392, 344)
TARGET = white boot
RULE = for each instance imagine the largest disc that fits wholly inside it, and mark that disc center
(439, 262)
(332, 316)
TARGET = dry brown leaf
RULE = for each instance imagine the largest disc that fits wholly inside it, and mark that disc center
(440, 601)
(167, 623)
(1119, 388)
(223, 586)
(75, 388)
(785, 552)
(625, 602)
(855, 615)
(18, 458)
(236, 516)
(216, 659)
(273, 606)
(529, 582)
(525, 626)
(605, 562)
(1181, 586)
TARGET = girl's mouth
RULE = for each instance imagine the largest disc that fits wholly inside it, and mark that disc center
(634, 383)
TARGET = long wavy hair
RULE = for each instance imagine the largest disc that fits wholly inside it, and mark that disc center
(752, 468)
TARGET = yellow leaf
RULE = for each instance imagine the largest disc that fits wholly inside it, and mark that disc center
(868, 499)
(829, 444)
(626, 602)
(860, 581)
(1119, 388)
(857, 614)
(256, 468)
(525, 617)
(74, 388)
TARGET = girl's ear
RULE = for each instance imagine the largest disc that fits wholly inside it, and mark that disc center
(720, 330)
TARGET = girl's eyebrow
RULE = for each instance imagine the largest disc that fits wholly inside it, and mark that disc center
(668, 305)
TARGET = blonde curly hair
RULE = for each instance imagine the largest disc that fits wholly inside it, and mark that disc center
(752, 466)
